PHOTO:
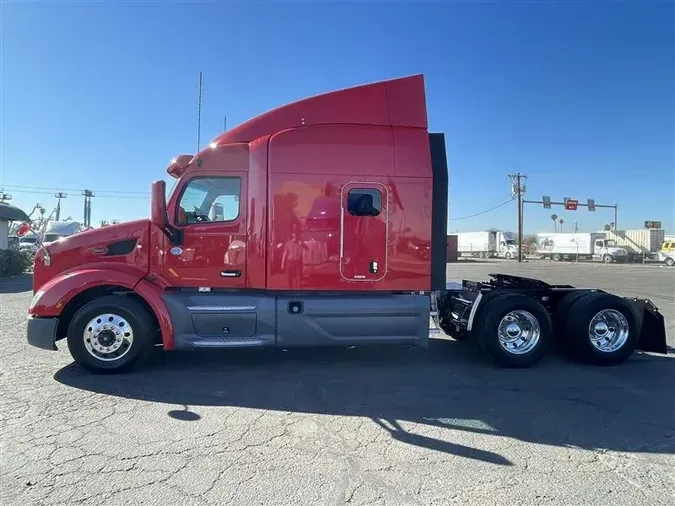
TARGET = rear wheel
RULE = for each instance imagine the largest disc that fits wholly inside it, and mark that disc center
(110, 334)
(557, 257)
(670, 262)
(601, 329)
(513, 330)
(562, 314)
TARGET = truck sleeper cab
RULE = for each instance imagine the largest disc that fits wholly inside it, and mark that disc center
(320, 223)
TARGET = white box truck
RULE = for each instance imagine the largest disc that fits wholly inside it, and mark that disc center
(487, 244)
(580, 246)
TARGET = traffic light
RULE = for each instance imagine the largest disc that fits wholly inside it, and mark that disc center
(591, 205)
(547, 202)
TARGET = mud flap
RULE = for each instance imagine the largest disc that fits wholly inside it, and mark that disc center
(652, 326)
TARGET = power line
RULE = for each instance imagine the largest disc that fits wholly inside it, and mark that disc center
(36, 192)
(53, 188)
(482, 212)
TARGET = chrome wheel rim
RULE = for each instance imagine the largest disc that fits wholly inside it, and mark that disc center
(608, 330)
(519, 332)
(108, 337)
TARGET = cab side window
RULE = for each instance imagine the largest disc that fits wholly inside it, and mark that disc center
(209, 200)
(364, 202)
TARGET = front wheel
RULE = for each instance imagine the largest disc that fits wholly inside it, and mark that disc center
(670, 262)
(110, 334)
(508, 256)
(608, 259)
(513, 330)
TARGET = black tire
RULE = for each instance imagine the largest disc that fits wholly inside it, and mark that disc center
(486, 325)
(577, 333)
(557, 257)
(508, 255)
(562, 313)
(670, 262)
(141, 329)
(607, 258)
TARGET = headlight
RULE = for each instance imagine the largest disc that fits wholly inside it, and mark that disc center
(36, 298)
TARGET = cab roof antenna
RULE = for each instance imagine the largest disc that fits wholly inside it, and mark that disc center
(199, 119)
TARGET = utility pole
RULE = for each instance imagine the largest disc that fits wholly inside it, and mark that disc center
(88, 194)
(517, 190)
(4, 197)
(59, 196)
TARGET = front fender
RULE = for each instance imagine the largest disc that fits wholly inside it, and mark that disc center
(54, 295)
(152, 295)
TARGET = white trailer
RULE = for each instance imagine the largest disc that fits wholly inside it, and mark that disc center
(56, 230)
(487, 244)
(477, 244)
(580, 246)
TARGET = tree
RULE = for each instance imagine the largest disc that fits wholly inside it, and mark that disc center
(561, 222)
(554, 217)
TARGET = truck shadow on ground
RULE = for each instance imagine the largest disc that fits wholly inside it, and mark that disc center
(627, 408)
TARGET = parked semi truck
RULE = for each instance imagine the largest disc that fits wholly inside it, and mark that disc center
(303, 227)
(487, 244)
(580, 246)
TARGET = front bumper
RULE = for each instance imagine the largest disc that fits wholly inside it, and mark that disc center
(41, 332)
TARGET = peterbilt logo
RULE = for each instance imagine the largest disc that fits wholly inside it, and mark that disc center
(99, 250)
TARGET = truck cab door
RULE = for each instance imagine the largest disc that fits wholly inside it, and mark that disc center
(599, 248)
(364, 231)
(211, 214)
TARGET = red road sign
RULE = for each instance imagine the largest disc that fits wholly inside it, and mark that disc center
(571, 205)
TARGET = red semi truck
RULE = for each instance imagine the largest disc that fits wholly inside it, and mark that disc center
(322, 222)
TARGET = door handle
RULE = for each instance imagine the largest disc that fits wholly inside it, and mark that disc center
(230, 274)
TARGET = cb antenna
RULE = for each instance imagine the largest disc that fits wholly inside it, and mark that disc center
(199, 113)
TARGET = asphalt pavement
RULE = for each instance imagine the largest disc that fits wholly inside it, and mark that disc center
(395, 426)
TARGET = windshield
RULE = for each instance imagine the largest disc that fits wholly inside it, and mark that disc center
(169, 191)
(511, 242)
(610, 242)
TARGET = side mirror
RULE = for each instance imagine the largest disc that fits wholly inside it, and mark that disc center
(23, 229)
(158, 215)
(158, 204)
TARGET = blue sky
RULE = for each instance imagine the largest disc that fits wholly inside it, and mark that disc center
(576, 94)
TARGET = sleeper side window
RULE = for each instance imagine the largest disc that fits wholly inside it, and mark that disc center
(208, 200)
(364, 202)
